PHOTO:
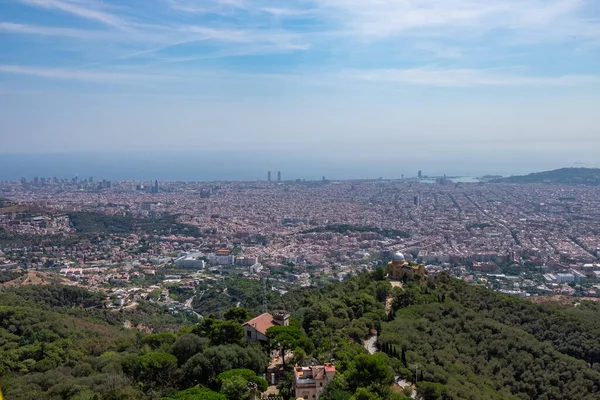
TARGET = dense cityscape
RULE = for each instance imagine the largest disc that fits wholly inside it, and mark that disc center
(521, 239)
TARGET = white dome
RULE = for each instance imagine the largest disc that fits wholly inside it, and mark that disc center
(398, 257)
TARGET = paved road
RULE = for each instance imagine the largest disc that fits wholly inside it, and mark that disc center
(370, 344)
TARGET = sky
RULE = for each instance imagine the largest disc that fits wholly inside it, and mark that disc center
(506, 85)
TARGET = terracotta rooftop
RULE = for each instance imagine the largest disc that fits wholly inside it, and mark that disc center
(261, 323)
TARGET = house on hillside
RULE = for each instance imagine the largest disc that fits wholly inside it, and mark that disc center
(256, 328)
(309, 382)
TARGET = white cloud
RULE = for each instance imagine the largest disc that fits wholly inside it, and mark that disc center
(50, 31)
(80, 10)
(288, 12)
(441, 77)
(383, 18)
(77, 75)
(242, 35)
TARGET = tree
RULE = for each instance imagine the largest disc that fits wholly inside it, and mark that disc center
(370, 370)
(245, 373)
(379, 274)
(237, 314)
(204, 367)
(431, 390)
(226, 332)
(235, 388)
(197, 370)
(382, 291)
(365, 394)
(157, 368)
(157, 340)
(187, 346)
(197, 394)
(403, 299)
(284, 337)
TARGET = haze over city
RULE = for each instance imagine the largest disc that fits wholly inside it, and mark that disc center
(355, 87)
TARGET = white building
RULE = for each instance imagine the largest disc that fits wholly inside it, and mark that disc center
(221, 260)
(565, 278)
(190, 261)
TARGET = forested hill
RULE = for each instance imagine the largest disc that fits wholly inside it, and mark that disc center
(464, 342)
(566, 176)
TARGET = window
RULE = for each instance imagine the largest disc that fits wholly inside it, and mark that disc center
(248, 333)
(320, 383)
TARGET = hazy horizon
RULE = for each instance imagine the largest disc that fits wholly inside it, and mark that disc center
(243, 166)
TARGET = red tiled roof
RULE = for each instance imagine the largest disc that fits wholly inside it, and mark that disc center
(261, 323)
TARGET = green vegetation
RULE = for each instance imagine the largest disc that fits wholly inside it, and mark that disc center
(19, 240)
(227, 293)
(343, 229)
(565, 176)
(6, 276)
(479, 226)
(451, 340)
(88, 222)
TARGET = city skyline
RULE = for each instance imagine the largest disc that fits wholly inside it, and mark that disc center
(252, 75)
(253, 167)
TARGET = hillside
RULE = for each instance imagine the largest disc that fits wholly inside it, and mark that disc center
(464, 342)
(565, 176)
(33, 278)
(89, 222)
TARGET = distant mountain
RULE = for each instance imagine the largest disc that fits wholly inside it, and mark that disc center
(567, 176)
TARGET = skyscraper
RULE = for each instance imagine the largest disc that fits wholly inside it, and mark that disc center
(269, 176)
(156, 186)
(420, 174)
(278, 176)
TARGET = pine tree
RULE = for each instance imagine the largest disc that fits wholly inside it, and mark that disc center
(404, 356)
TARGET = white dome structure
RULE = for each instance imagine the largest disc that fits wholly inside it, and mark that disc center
(398, 257)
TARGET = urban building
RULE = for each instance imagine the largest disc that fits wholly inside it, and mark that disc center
(191, 261)
(565, 278)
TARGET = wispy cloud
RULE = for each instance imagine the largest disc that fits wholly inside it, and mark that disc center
(289, 12)
(77, 75)
(51, 31)
(464, 35)
(449, 77)
(80, 10)
(379, 18)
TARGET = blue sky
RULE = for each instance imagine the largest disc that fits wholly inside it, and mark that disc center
(353, 75)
